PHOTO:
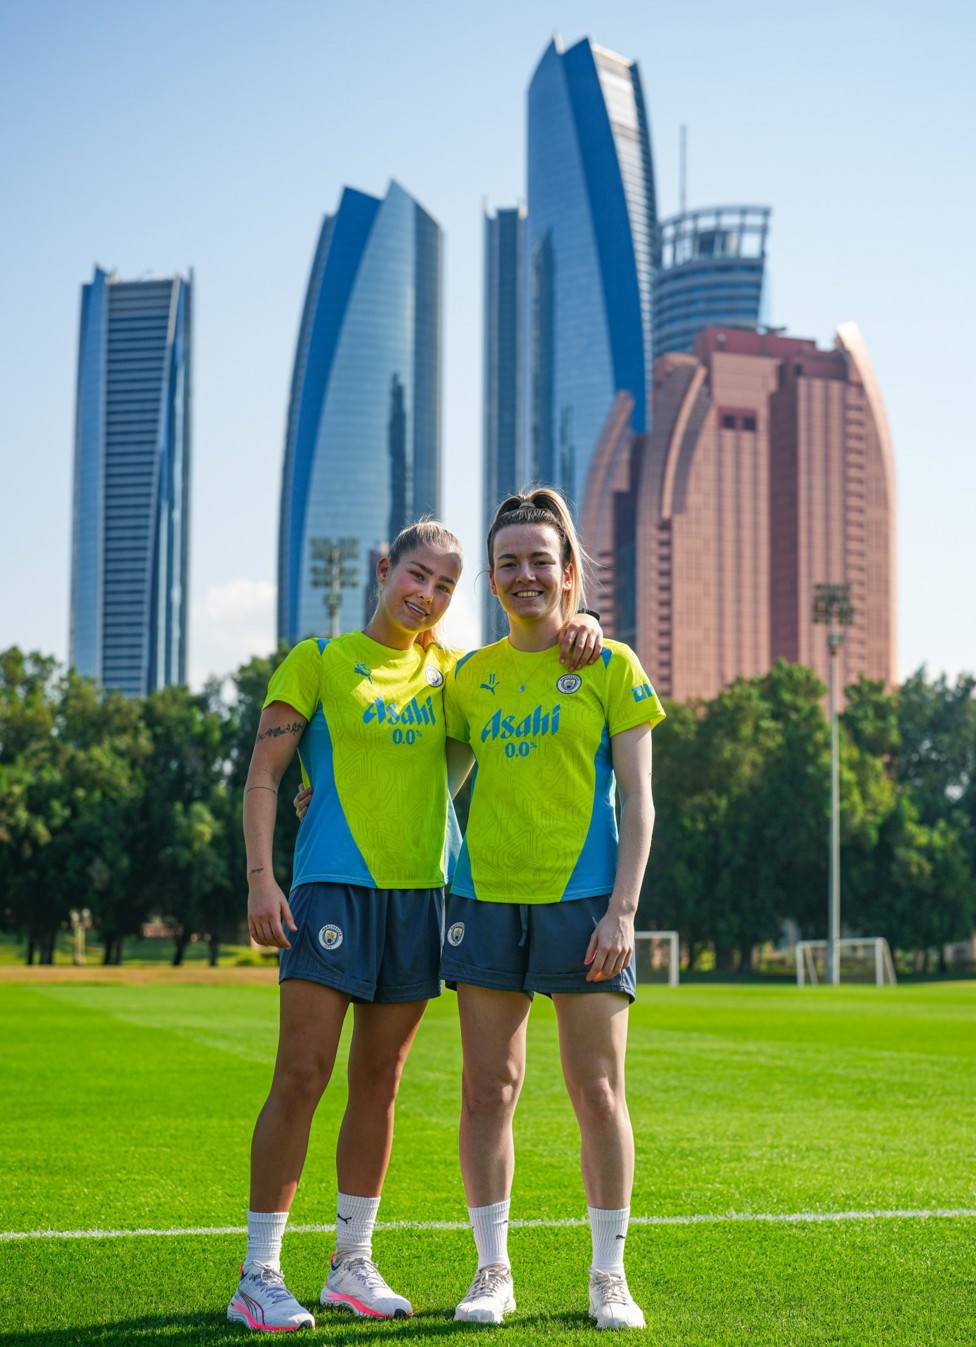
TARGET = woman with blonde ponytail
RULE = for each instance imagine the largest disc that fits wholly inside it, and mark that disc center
(545, 892)
(362, 923)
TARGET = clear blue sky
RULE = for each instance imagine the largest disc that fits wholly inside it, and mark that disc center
(215, 134)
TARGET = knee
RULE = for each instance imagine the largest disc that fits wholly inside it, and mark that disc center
(486, 1095)
(598, 1102)
(299, 1085)
(375, 1083)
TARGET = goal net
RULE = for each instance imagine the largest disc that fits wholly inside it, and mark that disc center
(656, 956)
(862, 959)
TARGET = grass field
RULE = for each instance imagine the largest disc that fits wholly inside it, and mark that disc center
(778, 1132)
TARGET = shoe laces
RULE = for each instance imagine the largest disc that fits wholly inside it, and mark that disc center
(488, 1280)
(367, 1272)
(610, 1287)
(272, 1283)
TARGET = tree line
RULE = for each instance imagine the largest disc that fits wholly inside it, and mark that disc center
(131, 808)
(743, 789)
(128, 807)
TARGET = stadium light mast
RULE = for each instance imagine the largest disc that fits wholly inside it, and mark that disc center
(334, 569)
(832, 608)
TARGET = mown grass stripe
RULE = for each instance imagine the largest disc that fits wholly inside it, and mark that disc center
(772, 1217)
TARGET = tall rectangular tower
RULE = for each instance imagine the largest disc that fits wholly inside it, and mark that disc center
(130, 528)
(504, 466)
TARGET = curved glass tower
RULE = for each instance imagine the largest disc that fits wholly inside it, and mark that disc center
(130, 527)
(362, 447)
(590, 236)
(711, 270)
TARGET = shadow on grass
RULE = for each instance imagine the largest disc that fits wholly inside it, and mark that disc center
(340, 1329)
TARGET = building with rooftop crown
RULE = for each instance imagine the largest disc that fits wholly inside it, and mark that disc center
(711, 272)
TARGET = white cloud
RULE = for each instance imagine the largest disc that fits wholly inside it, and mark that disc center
(232, 622)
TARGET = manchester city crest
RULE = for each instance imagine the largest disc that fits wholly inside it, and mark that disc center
(434, 676)
(569, 683)
(330, 937)
(455, 934)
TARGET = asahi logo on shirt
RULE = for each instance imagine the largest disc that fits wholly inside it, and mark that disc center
(388, 713)
(533, 726)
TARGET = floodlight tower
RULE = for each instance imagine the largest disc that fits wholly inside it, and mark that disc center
(832, 608)
(334, 569)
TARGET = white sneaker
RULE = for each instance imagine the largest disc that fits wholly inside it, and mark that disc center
(489, 1297)
(355, 1284)
(263, 1301)
(611, 1304)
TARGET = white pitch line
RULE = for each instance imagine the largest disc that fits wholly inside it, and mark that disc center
(776, 1218)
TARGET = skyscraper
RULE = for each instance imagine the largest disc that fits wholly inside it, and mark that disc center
(504, 467)
(362, 447)
(769, 470)
(130, 527)
(590, 239)
(710, 273)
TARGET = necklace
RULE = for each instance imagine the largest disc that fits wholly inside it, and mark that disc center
(521, 676)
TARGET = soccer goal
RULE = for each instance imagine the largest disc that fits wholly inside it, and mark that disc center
(656, 956)
(862, 959)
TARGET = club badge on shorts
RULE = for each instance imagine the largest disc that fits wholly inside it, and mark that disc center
(569, 683)
(455, 934)
(330, 937)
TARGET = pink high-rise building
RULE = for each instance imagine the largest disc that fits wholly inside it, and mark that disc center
(768, 470)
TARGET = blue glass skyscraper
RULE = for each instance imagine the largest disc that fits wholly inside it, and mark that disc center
(504, 467)
(130, 531)
(590, 241)
(711, 273)
(362, 447)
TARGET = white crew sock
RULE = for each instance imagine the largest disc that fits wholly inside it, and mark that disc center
(608, 1229)
(355, 1219)
(265, 1231)
(490, 1227)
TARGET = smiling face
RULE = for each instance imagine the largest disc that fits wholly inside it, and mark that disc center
(528, 574)
(414, 594)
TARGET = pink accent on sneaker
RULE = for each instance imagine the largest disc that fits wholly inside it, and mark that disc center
(242, 1302)
(336, 1298)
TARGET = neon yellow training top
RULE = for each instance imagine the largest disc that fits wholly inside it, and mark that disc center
(542, 826)
(374, 751)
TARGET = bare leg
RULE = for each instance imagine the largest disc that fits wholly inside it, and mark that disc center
(592, 1046)
(493, 1026)
(311, 1019)
(381, 1040)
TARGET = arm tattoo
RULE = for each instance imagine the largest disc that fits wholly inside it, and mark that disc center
(275, 731)
(258, 870)
(248, 789)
